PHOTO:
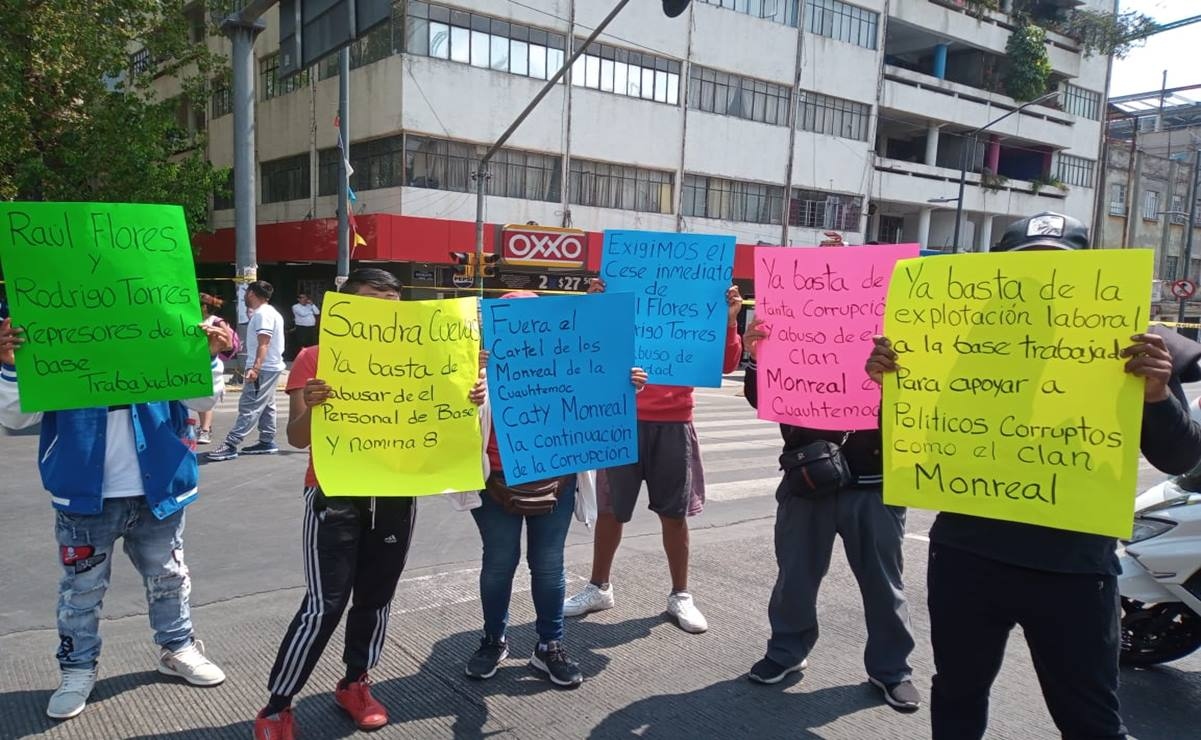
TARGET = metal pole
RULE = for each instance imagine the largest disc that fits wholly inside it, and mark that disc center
(242, 34)
(959, 200)
(482, 169)
(1189, 228)
(344, 175)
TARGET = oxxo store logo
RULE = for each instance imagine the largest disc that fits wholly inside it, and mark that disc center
(544, 246)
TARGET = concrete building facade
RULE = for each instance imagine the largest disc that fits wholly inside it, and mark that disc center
(681, 124)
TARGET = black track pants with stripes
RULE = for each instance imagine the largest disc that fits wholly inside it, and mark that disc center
(351, 556)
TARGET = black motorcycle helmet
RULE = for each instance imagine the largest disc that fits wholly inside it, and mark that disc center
(1046, 230)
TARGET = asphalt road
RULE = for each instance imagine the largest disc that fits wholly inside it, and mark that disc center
(645, 677)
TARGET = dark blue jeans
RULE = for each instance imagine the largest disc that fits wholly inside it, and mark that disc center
(545, 536)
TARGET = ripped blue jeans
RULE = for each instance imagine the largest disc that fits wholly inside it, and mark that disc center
(86, 547)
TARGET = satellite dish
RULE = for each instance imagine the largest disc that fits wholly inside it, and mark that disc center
(675, 7)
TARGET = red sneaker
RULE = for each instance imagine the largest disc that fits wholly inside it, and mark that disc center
(356, 699)
(275, 727)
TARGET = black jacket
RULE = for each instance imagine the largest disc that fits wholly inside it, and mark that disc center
(863, 449)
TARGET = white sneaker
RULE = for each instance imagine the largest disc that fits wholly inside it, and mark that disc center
(686, 614)
(73, 691)
(190, 665)
(591, 599)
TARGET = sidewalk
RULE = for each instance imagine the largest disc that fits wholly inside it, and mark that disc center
(645, 678)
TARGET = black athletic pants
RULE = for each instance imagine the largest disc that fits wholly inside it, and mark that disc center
(1071, 623)
(351, 555)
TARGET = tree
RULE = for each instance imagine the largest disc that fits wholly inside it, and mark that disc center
(1028, 68)
(1105, 33)
(79, 120)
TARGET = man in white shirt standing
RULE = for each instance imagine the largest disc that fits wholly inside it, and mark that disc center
(304, 317)
(265, 344)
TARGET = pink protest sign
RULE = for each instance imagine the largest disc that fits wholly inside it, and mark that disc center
(821, 308)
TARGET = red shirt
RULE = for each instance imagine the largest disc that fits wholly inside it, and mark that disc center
(674, 402)
(304, 369)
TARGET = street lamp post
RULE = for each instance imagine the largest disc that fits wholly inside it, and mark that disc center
(963, 159)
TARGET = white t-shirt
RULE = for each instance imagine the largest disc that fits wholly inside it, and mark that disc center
(122, 475)
(266, 321)
(305, 314)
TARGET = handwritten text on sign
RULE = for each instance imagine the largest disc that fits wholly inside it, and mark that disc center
(1011, 401)
(107, 296)
(821, 307)
(399, 422)
(679, 282)
(559, 382)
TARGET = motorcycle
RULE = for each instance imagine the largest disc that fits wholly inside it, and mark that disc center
(1160, 584)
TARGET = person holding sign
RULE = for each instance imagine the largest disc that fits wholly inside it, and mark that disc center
(256, 406)
(987, 575)
(815, 503)
(669, 462)
(354, 552)
(544, 509)
(112, 473)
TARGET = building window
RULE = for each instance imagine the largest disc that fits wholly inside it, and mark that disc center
(814, 209)
(140, 62)
(780, 11)
(222, 99)
(638, 75)
(285, 179)
(1117, 199)
(271, 86)
(470, 38)
(732, 200)
(1081, 102)
(731, 95)
(378, 163)
(451, 165)
(1151, 205)
(1179, 215)
(842, 22)
(823, 114)
(223, 198)
(623, 187)
(380, 43)
(1173, 266)
(1074, 170)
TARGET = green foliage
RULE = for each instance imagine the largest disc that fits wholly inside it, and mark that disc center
(77, 124)
(1104, 33)
(1028, 68)
(1050, 181)
(992, 182)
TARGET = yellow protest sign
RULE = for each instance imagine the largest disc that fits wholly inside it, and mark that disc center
(1011, 401)
(399, 422)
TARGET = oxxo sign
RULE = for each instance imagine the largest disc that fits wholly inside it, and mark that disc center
(544, 246)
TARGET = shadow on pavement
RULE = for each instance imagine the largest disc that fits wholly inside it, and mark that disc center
(25, 711)
(1157, 702)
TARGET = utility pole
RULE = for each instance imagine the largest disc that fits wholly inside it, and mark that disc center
(242, 31)
(1189, 227)
(343, 270)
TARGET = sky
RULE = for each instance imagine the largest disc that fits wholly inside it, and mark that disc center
(1176, 51)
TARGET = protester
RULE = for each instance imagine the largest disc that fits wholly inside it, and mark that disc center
(256, 406)
(872, 534)
(500, 523)
(304, 319)
(210, 307)
(117, 472)
(669, 462)
(354, 552)
(987, 575)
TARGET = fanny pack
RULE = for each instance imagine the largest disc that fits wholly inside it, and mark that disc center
(817, 470)
(526, 499)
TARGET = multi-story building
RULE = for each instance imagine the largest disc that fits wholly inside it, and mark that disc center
(668, 124)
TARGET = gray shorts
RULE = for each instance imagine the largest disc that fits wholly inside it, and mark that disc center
(669, 462)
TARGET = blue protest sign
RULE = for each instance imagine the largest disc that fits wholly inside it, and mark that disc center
(679, 283)
(559, 383)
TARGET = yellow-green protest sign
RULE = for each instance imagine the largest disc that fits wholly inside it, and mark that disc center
(106, 294)
(399, 422)
(1011, 401)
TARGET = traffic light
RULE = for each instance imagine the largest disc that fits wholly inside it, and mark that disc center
(464, 263)
(488, 266)
(674, 7)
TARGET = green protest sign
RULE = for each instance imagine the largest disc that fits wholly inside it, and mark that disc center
(107, 296)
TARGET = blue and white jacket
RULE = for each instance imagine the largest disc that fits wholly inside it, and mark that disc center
(71, 454)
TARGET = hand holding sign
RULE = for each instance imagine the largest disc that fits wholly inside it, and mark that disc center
(10, 340)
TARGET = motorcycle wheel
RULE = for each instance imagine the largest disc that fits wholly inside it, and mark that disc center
(1157, 633)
